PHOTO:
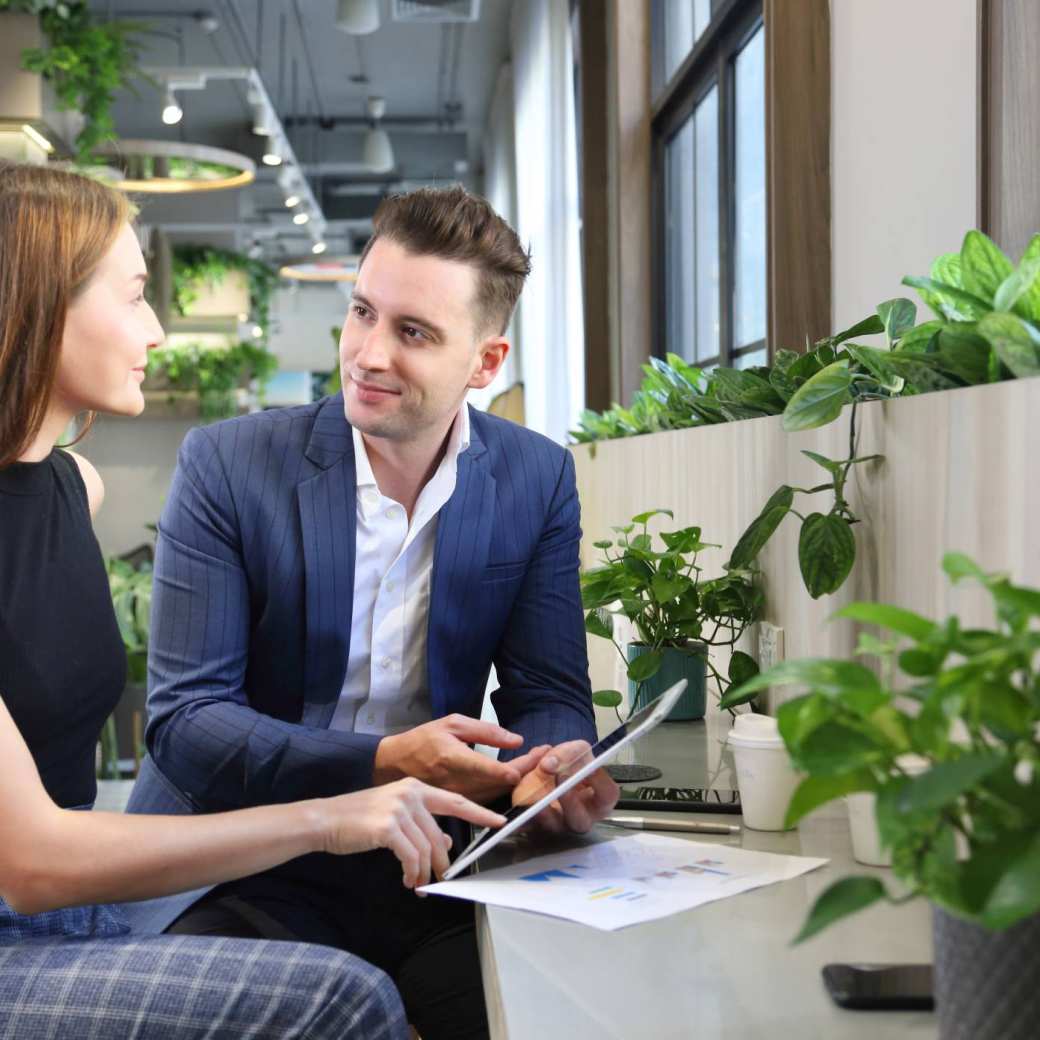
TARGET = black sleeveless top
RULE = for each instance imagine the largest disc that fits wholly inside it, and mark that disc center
(62, 662)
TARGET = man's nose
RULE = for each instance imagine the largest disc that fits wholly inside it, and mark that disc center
(374, 352)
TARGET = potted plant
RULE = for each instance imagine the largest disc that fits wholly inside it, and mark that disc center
(131, 590)
(965, 832)
(85, 63)
(677, 614)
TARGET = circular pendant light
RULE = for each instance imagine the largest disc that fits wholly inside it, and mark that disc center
(172, 167)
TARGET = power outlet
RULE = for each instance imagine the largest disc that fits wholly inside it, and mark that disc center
(770, 645)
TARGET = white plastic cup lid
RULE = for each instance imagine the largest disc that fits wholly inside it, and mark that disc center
(754, 730)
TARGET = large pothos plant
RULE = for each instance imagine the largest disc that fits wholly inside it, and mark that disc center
(985, 327)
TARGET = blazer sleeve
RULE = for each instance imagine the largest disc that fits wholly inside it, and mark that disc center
(202, 732)
(542, 659)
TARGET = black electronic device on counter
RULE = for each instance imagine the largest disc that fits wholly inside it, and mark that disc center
(680, 799)
(880, 987)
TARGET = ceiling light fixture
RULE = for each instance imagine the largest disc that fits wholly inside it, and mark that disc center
(358, 17)
(319, 247)
(378, 154)
(301, 218)
(172, 167)
(292, 200)
(172, 112)
(272, 155)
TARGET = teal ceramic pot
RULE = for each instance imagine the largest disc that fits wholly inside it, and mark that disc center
(677, 664)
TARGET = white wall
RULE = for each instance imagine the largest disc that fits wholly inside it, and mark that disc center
(904, 97)
(301, 320)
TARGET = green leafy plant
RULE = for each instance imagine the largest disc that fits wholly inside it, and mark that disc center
(85, 62)
(826, 546)
(213, 373)
(195, 266)
(662, 593)
(965, 699)
(334, 382)
(131, 591)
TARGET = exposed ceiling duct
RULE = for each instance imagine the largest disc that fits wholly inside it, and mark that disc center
(428, 11)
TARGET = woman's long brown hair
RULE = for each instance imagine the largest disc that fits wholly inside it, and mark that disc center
(55, 228)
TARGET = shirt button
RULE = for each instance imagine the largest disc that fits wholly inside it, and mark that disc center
(385, 662)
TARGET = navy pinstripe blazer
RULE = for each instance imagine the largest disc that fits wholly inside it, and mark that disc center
(254, 580)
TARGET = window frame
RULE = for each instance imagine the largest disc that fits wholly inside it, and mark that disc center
(711, 62)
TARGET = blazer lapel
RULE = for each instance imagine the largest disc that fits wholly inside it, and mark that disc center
(464, 529)
(328, 526)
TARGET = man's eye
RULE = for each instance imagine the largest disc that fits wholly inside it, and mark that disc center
(360, 310)
(412, 332)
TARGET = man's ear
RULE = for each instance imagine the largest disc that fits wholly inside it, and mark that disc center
(491, 355)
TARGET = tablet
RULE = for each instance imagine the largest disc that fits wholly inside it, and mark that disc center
(638, 725)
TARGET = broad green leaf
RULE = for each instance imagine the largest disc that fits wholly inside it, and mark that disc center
(1016, 893)
(1016, 597)
(921, 662)
(819, 400)
(897, 316)
(645, 666)
(642, 518)
(951, 302)
(603, 545)
(815, 791)
(1016, 345)
(964, 353)
(958, 566)
(833, 748)
(817, 674)
(1028, 305)
(607, 698)
(983, 265)
(1016, 286)
(945, 782)
(875, 362)
(947, 268)
(666, 589)
(844, 897)
(896, 619)
(761, 529)
(686, 541)
(597, 625)
(826, 553)
(867, 327)
(829, 465)
(917, 339)
(742, 667)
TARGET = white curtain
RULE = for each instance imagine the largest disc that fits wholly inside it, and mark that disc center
(499, 148)
(547, 217)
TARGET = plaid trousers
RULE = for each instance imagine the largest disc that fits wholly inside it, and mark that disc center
(172, 987)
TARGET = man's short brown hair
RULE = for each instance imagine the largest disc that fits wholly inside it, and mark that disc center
(453, 224)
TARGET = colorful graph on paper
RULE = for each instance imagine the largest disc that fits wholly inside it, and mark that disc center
(624, 881)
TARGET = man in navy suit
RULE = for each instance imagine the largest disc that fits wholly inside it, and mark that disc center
(333, 584)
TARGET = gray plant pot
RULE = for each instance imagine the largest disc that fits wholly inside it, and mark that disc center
(987, 984)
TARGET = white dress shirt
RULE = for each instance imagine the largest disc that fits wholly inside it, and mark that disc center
(385, 690)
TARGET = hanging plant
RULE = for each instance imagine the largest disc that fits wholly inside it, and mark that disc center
(194, 266)
(85, 62)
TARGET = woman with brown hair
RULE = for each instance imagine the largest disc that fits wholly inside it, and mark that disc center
(75, 330)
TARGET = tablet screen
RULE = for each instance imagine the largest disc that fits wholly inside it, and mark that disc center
(612, 739)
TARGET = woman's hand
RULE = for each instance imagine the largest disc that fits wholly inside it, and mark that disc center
(399, 817)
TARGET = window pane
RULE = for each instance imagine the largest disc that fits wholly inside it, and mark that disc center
(678, 24)
(692, 234)
(749, 266)
(706, 225)
(679, 229)
(752, 359)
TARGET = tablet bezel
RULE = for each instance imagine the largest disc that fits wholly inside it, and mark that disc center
(478, 846)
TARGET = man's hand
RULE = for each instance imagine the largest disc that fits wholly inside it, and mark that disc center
(580, 807)
(438, 753)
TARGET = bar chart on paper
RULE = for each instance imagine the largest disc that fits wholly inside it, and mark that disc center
(625, 881)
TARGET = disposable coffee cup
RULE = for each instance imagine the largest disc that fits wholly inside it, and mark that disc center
(866, 839)
(765, 777)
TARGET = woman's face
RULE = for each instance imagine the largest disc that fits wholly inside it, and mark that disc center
(109, 330)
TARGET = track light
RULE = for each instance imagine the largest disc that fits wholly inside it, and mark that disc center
(172, 112)
(301, 218)
(272, 155)
(260, 122)
(292, 200)
(319, 247)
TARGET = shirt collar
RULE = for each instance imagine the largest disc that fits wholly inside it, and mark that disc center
(458, 442)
